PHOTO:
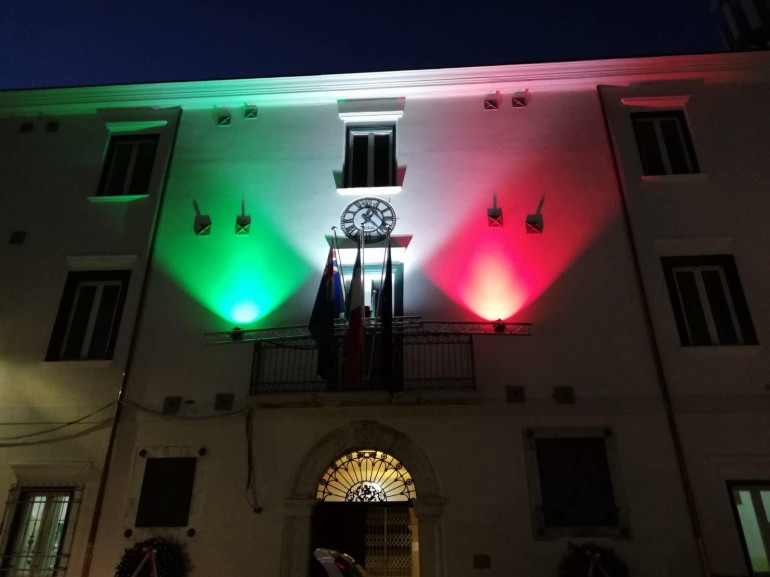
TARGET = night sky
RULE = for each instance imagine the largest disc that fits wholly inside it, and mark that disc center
(50, 43)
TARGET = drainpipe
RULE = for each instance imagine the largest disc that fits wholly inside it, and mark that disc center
(89, 554)
(662, 384)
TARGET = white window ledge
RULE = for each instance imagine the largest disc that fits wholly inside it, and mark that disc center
(119, 198)
(101, 262)
(369, 190)
(657, 101)
(84, 363)
(739, 350)
(134, 125)
(693, 177)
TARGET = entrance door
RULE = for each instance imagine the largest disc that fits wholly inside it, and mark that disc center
(378, 536)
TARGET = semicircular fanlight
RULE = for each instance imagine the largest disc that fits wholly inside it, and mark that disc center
(366, 476)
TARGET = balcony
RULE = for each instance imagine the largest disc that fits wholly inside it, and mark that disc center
(428, 356)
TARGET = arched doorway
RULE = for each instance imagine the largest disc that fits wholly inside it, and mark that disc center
(301, 501)
(365, 508)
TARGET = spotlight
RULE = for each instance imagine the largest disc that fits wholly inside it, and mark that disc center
(242, 221)
(499, 326)
(242, 225)
(494, 214)
(202, 222)
(534, 222)
(236, 334)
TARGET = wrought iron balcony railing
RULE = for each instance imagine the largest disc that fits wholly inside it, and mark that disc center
(421, 362)
(427, 355)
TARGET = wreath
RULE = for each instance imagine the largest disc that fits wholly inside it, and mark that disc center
(590, 559)
(171, 559)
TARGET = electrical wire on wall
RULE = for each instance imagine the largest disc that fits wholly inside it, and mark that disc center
(251, 489)
(142, 408)
(97, 425)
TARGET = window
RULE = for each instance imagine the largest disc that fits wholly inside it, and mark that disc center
(572, 489)
(664, 143)
(708, 302)
(35, 545)
(128, 165)
(87, 323)
(370, 157)
(372, 285)
(167, 490)
(751, 505)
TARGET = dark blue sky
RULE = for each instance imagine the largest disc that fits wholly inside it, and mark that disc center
(46, 43)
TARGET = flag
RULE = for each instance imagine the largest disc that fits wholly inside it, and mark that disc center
(147, 566)
(386, 322)
(354, 340)
(328, 305)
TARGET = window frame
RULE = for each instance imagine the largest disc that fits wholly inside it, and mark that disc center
(15, 523)
(541, 530)
(352, 131)
(712, 315)
(732, 486)
(373, 277)
(661, 142)
(107, 182)
(61, 335)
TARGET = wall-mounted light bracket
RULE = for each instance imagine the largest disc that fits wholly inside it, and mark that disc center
(492, 101)
(224, 119)
(495, 214)
(242, 221)
(519, 99)
(202, 222)
(534, 221)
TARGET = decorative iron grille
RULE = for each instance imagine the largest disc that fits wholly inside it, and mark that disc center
(422, 361)
(39, 538)
(366, 476)
(388, 542)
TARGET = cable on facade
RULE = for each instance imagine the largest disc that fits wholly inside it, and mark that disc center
(59, 427)
(144, 409)
(251, 489)
(82, 433)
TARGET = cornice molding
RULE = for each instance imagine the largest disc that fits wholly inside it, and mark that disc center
(328, 89)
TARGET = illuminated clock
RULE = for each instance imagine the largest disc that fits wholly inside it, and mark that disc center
(370, 216)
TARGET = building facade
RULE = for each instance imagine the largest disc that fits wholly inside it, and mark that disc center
(579, 320)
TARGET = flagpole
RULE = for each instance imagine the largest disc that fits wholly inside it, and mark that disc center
(361, 244)
(336, 247)
(379, 301)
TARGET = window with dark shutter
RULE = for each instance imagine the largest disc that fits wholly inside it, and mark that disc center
(370, 159)
(708, 301)
(574, 483)
(664, 143)
(87, 323)
(167, 490)
(128, 165)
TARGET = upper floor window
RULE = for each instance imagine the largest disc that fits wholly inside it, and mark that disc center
(370, 156)
(87, 323)
(751, 506)
(664, 142)
(708, 301)
(39, 524)
(128, 165)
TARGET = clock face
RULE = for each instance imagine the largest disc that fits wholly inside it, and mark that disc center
(370, 216)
